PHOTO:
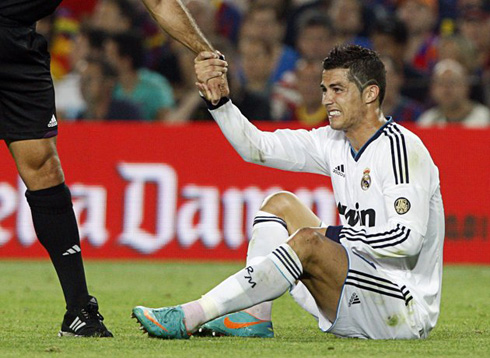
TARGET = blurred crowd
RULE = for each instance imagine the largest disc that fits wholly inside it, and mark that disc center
(110, 61)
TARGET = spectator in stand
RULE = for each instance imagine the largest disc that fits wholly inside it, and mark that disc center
(420, 17)
(69, 99)
(148, 89)
(114, 15)
(347, 18)
(299, 11)
(315, 37)
(97, 82)
(302, 100)
(283, 7)
(458, 48)
(314, 40)
(474, 25)
(263, 22)
(389, 36)
(59, 29)
(228, 20)
(450, 91)
(257, 78)
(395, 104)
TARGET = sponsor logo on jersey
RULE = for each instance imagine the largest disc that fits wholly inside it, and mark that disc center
(355, 216)
(339, 170)
(402, 206)
(366, 179)
(53, 122)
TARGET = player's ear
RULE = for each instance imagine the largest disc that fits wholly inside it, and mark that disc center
(370, 93)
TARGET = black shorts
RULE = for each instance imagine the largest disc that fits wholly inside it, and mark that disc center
(27, 107)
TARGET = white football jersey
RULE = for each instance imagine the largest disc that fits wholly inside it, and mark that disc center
(387, 194)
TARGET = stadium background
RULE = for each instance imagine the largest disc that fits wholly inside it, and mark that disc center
(150, 190)
(181, 192)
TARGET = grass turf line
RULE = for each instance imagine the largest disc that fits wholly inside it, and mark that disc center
(31, 309)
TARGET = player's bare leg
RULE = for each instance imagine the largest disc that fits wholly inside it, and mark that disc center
(325, 266)
(37, 162)
(39, 166)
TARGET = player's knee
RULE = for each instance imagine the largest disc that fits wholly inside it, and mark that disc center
(280, 203)
(307, 242)
(43, 173)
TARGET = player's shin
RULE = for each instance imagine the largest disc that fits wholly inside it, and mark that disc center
(262, 281)
(269, 231)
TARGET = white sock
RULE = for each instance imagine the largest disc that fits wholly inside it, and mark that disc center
(262, 281)
(269, 231)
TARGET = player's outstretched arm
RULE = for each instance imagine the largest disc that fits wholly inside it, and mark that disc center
(174, 18)
(280, 149)
(209, 68)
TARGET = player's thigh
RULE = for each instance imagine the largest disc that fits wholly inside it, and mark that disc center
(325, 266)
(27, 104)
(37, 162)
(374, 305)
(289, 207)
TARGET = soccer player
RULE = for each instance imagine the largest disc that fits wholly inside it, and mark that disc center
(29, 127)
(378, 274)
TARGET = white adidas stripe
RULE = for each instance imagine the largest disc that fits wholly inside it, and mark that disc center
(77, 324)
(80, 325)
(72, 250)
(75, 321)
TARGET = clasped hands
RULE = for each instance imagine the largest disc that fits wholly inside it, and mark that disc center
(211, 76)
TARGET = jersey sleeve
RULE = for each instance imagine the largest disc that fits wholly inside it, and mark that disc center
(407, 187)
(293, 150)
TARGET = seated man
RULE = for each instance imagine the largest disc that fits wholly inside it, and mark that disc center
(450, 89)
(378, 275)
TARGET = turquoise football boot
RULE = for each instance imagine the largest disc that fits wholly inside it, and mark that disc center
(238, 324)
(165, 322)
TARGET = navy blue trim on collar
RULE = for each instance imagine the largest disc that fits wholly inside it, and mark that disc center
(357, 155)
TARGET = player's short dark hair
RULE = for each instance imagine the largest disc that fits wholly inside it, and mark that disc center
(364, 65)
(130, 44)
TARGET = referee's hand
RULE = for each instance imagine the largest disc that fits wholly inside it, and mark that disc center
(211, 76)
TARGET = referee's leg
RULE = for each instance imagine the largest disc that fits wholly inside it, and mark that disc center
(56, 227)
(54, 221)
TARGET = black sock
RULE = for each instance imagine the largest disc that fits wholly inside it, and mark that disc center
(56, 229)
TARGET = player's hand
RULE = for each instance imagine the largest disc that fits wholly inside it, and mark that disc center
(211, 76)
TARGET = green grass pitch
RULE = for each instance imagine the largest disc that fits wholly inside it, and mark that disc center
(31, 309)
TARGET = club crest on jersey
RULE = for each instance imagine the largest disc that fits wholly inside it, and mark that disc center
(402, 206)
(366, 179)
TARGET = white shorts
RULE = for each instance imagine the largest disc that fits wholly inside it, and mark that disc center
(371, 305)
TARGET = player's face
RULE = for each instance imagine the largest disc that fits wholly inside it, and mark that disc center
(342, 99)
